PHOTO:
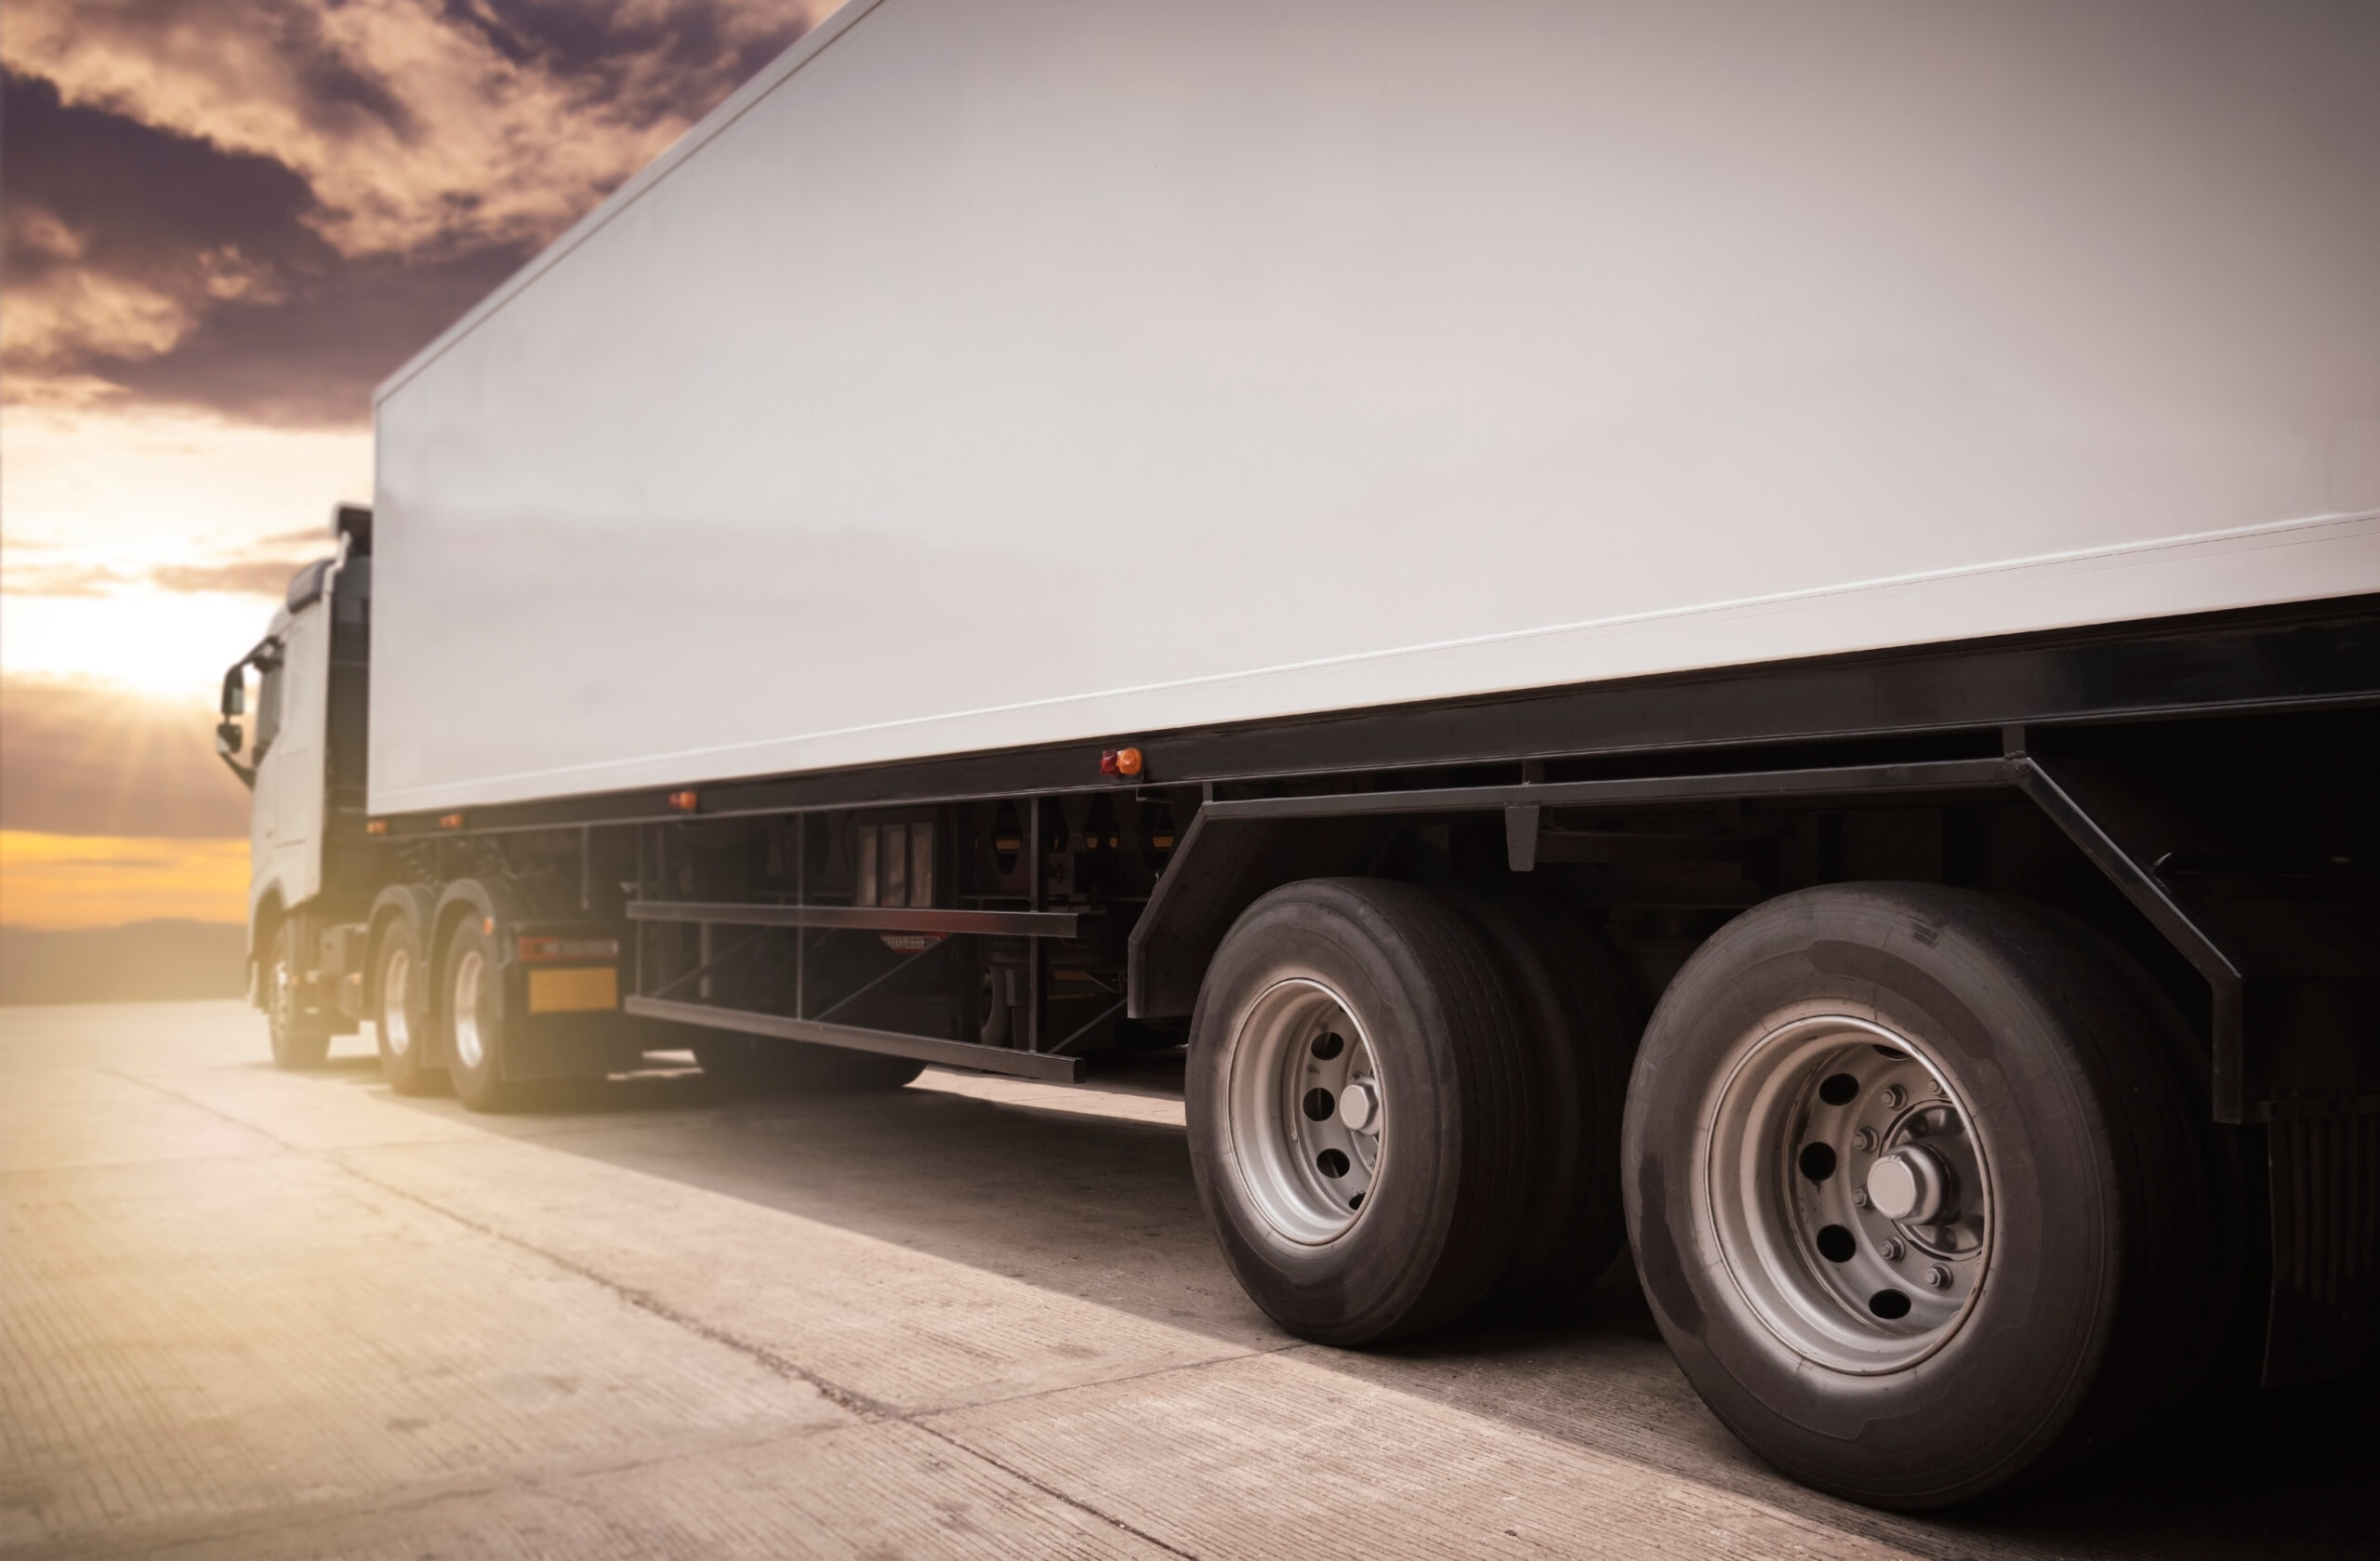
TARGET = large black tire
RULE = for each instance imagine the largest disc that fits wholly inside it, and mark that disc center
(401, 1011)
(1443, 1199)
(470, 1019)
(1579, 1015)
(301, 1039)
(755, 1064)
(2073, 1160)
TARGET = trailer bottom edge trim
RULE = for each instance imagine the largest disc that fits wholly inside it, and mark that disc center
(851, 1038)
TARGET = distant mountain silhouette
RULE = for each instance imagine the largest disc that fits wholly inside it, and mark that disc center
(143, 962)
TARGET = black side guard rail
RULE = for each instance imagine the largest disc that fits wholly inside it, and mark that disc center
(1034, 1061)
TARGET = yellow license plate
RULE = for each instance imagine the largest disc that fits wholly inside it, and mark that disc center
(581, 990)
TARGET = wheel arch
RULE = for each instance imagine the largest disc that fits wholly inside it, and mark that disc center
(264, 924)
(1239, 861)
(467, 897)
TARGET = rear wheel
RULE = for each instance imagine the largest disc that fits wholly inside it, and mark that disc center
(473, 1011)
(301, 1038)
(401, 1011)
(1359, 1109)
(1916, 1194)
(1583, 1022)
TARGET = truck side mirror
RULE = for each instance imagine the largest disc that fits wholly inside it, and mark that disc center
(227, 742)
(235, 695)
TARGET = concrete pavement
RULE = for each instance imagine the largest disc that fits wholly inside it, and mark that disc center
(250, 1314)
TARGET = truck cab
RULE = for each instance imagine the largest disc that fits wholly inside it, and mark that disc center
(303, 754)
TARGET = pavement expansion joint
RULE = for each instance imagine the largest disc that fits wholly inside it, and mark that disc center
(1051, 1491)
(845, 1398)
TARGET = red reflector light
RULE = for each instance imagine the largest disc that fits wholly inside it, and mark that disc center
(683, 801)
(544, 946)
(450, 821)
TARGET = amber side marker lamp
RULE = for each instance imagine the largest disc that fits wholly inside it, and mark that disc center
(683, 801)
(1122, 762)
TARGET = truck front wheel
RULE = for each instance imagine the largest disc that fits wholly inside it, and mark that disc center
(1915, 1192)
(1360, 1105)
(301, 1038)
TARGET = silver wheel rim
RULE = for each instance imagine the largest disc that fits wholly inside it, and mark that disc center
(1305, 1111)
(1826, 1128)
(396, 1029)
(471, 1048)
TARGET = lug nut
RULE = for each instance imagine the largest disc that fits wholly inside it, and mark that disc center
(1858, 1197)
(1938, 1277)
(1864, 1141)
(1892, 1249)
(1895, 1097)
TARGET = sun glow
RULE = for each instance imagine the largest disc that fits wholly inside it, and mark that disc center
(160, 643)
(112, 520)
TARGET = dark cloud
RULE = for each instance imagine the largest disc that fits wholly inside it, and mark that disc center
(85, 759)
(337, 89)
(276, 326)
(310, 356)
(680, 58)
(138, 201)
(342, 92)
(239, 206)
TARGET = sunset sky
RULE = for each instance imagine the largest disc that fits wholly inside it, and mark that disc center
(224, 221)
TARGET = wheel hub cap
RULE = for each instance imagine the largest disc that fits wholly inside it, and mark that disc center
(395, 1027)
(1305, 1110)
(471, 1047)
(1846, 1191)
(1909, 1186)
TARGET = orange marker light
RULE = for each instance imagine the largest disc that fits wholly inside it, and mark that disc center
(683, 801)
(450, 821)
(1129, 761)
(376, 826)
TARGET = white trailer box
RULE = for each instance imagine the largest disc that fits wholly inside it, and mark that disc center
(988, 374)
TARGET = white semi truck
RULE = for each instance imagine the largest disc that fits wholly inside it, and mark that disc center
(1748, 630)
